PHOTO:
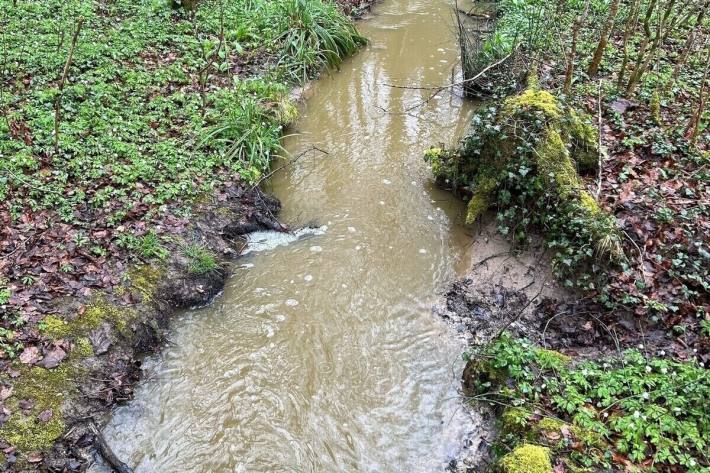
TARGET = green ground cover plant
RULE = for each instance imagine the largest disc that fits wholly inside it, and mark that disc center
(634, 75)
(631, 410)
(118, 115)
(638, 71)
(522, 158)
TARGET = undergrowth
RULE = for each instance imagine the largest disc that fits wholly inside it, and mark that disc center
(626, 411)
(156, 106)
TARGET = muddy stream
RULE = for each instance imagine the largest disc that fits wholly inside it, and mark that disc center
(323, 353)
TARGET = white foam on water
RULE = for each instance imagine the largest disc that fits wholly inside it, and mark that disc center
(268, 240)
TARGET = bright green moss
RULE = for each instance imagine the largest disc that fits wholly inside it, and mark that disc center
(94, 315)
(83, 348)
(145, 279)
(56, 328)
(555, 164)
(533, 100)
(584, 138)
(100, 311)
(476, 206)
(549, 424)
(480, 202)
(550, 359)
(48, 389)
(527, 459)
(514, 420)
(588, 203)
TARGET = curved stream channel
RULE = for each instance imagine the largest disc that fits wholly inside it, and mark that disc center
(323, 354)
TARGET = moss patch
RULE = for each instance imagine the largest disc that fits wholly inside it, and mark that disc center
(55, 327)
(83, 348)
(527, 459)
(145, 279)
(550, 359)
(48, 389)
(514, 419)
(93, 316)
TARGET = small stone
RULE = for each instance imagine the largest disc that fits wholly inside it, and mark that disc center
(45, 416)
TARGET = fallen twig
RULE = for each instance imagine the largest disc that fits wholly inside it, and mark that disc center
(520, 312)
(599, 144)
(487, 258)
(291, 162)
(106, 453)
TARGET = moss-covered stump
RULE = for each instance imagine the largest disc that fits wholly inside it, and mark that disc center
(524, 157)
(526, 459)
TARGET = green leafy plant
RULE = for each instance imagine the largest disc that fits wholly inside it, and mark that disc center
(629, 407)
(5, 295)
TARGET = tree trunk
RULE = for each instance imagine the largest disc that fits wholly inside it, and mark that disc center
(694, 125)
(687, 48)
(569, 72)
(603, 38)
(641, 57)
(62, 81)
(629, 28)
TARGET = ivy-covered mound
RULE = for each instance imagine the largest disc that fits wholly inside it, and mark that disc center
(523, 157)
(632, 412)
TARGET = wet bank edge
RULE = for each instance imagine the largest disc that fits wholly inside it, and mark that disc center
(111, 367)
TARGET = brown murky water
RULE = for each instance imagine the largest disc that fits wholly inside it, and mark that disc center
(323, 354)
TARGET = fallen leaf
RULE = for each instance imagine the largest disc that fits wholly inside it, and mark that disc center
(5, 392)
(26, 405)
(53, 358)
(30, 355)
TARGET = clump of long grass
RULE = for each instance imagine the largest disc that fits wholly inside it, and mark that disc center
(246, 130)
(315, 35)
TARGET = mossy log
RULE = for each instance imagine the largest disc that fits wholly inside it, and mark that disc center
(537, 130)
